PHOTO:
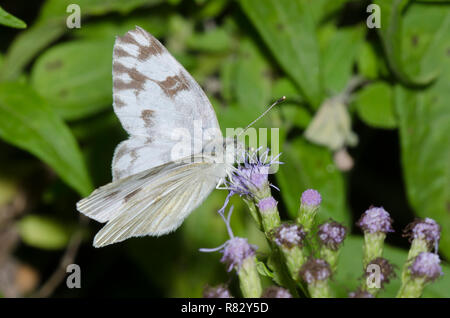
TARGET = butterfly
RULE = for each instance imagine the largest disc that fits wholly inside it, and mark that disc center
(158, 180)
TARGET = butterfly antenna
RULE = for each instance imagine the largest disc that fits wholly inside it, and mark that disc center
(280, 100)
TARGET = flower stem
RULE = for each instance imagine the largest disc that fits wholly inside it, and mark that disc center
(373, 246)
(249, 280)
(320, 289)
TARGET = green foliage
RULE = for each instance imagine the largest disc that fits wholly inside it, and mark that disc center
(27, 122)
(375, 105)
(10, 20)
(43, 232)
(73, 94)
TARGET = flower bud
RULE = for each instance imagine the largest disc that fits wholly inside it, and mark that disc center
(331, 234)
(235, 251)
(309, 205)
(276, 292)
(375, 220)
(386, 270)
(220, 291)
(426, 265)
(426, 230)
(289, 235)
(316, 272)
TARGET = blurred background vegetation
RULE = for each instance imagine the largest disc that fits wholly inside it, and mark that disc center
(58, 130)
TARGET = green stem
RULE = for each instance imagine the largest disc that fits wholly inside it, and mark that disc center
(249, 280)
(412, 288)
(320, 289)
(373, 246)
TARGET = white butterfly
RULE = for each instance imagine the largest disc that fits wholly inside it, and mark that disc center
(153, 190)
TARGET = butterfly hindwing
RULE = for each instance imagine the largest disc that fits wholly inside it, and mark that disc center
(159, 204)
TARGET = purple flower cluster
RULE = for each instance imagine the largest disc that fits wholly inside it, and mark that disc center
(315, 269)
(220, 291)
(424, 229)
(332, 234)
(236, 250)
(386, 270)
(359, 293)
(276, 292)
(311, 197)
(267, 204)
(252, 173)
(376, 220)
(289, 235)
(426, 265)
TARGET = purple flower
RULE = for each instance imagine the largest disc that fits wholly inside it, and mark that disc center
(311, 197)
(376, 220)
(426, 265)
(386, 270)
(276, 292)
(236, 250)
(220, 291)
(267, 204)
(252, 173)
(359, 293)
(424, 229)
(288, 235)
(332, 234)
(315, 269)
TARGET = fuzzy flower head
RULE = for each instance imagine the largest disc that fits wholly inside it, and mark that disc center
(267, 204)
(236, 250)
(276, 292)
(311, 197)
(375, 220)
(386, 270)
(314, 270)
(426, 265)
(289, 235)
(332, 234)
(220, 291)
(251, 175)
(424, 229)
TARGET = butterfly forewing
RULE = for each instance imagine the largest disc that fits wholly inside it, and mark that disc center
(154, 96)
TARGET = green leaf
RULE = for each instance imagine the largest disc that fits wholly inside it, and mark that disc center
(27, 45)
(43, 232)
(412, 42)
(27, 122)
(367, 61)
(424, 120)
(57, 8)
(75, 77)
(288, 29)
(10, 20)
(350, 271)
(338, 56)
(309, 166)
(216, 40)
(375, 105)
(50, 25)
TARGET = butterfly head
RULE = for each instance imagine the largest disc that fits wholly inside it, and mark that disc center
(225, 150)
